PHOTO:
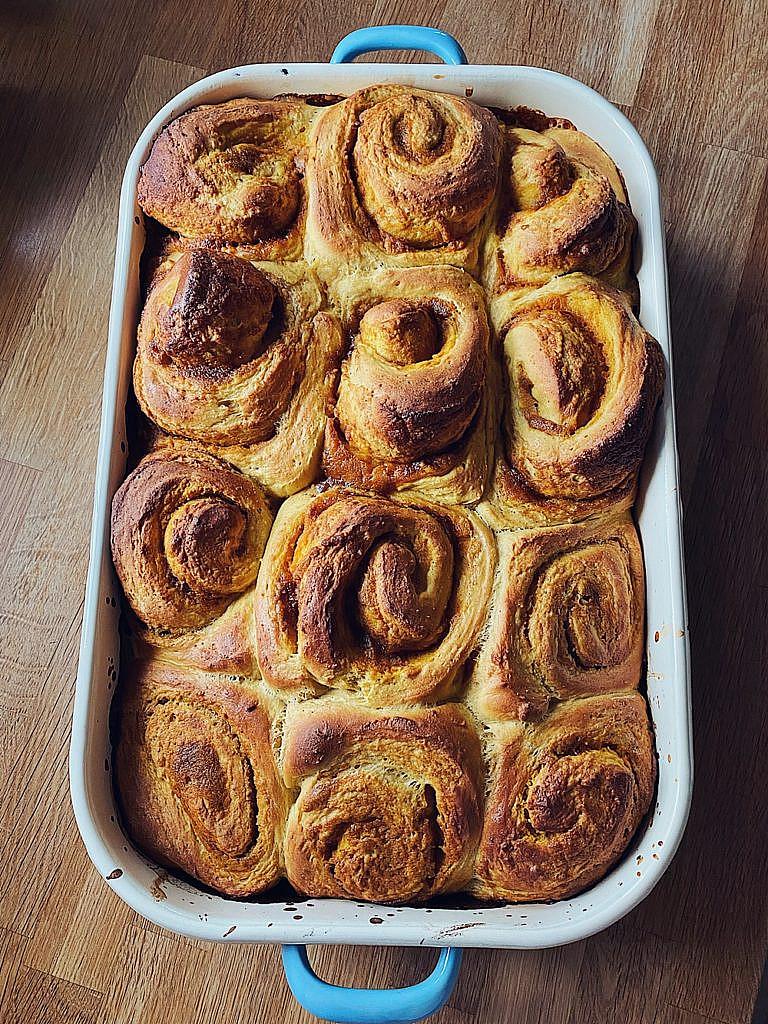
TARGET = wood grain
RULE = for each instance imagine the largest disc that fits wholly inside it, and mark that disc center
(79, 82)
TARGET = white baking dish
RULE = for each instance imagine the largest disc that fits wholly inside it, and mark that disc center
(196, 913)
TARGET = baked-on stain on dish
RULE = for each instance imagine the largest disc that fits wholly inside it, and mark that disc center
(157, 886)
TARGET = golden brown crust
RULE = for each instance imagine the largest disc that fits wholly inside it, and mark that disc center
(399, 177)
(227, 644)
(390, 806)
(188, 532)
(233, 172)
(196, 776)
(582, 381)
(567, 795)
(567, 618)
(414, 408)
(384, 597)
(236, 356)
(561, 208)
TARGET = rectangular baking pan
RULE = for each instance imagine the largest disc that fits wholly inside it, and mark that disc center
(196, 913)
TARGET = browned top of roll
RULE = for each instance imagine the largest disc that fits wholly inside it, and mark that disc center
(563, 208)
(188, 532)
(231, 171)
(402, 170)
(425, 163)
(583, 382)
(219, 349)
(567, 618)
(567, 796)
(196, 776)
(415, 376)
(390, 805)
(384, 596)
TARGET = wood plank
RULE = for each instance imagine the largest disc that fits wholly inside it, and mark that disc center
(702, 75)
(41, 999)
(12, 949)
(667, 1014)
(76, 91)
(709, 228)
(623, 977)
(72, 97)
(17, 494)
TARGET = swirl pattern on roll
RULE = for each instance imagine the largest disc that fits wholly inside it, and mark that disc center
(188, 532)
(384, 597)
(583, 380)
(567, 618)
(400, 175)
(196, 777)
(562, 208)
(567, 796)
(411, 411)
(233, 172)
(238, 357)
(390, 805)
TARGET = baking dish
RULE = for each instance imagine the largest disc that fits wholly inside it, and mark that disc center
(199, 914)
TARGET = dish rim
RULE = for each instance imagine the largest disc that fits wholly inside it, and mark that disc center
(334, 921)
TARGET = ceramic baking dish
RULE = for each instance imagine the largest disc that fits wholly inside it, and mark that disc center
(196, 913)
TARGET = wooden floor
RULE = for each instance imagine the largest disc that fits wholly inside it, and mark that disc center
(78, 82)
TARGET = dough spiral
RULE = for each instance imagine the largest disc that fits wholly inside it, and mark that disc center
(583, 380)
(413, 409)
(400, 176)
(562, 208)
(233, 172)
(188, 532)
(566, 797)
(390, 805)
(237, 357)
(380, 596)
(196, 776)
(567, 618)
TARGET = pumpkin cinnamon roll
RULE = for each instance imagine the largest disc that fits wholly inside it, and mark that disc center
(582, 381)
(566, 797)
(196, 776)
(237, 357)
(562, 207)
(233, 173)
(390, 805)
(399, 177)
(413, 411)
(188, 532)
(383, 597)
(567, 618)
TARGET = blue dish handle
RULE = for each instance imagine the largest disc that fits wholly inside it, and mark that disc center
(399, 37)
(365, 1005)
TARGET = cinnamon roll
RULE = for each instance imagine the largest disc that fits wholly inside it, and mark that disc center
(383, 597)
(566, 797)
(390, 805)
(561, 207)
(237, 357)
(188, 532)
(196, 776)
(413, 411)
(567, 618)
(233, 173)
(582, 381)
(399, 177)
